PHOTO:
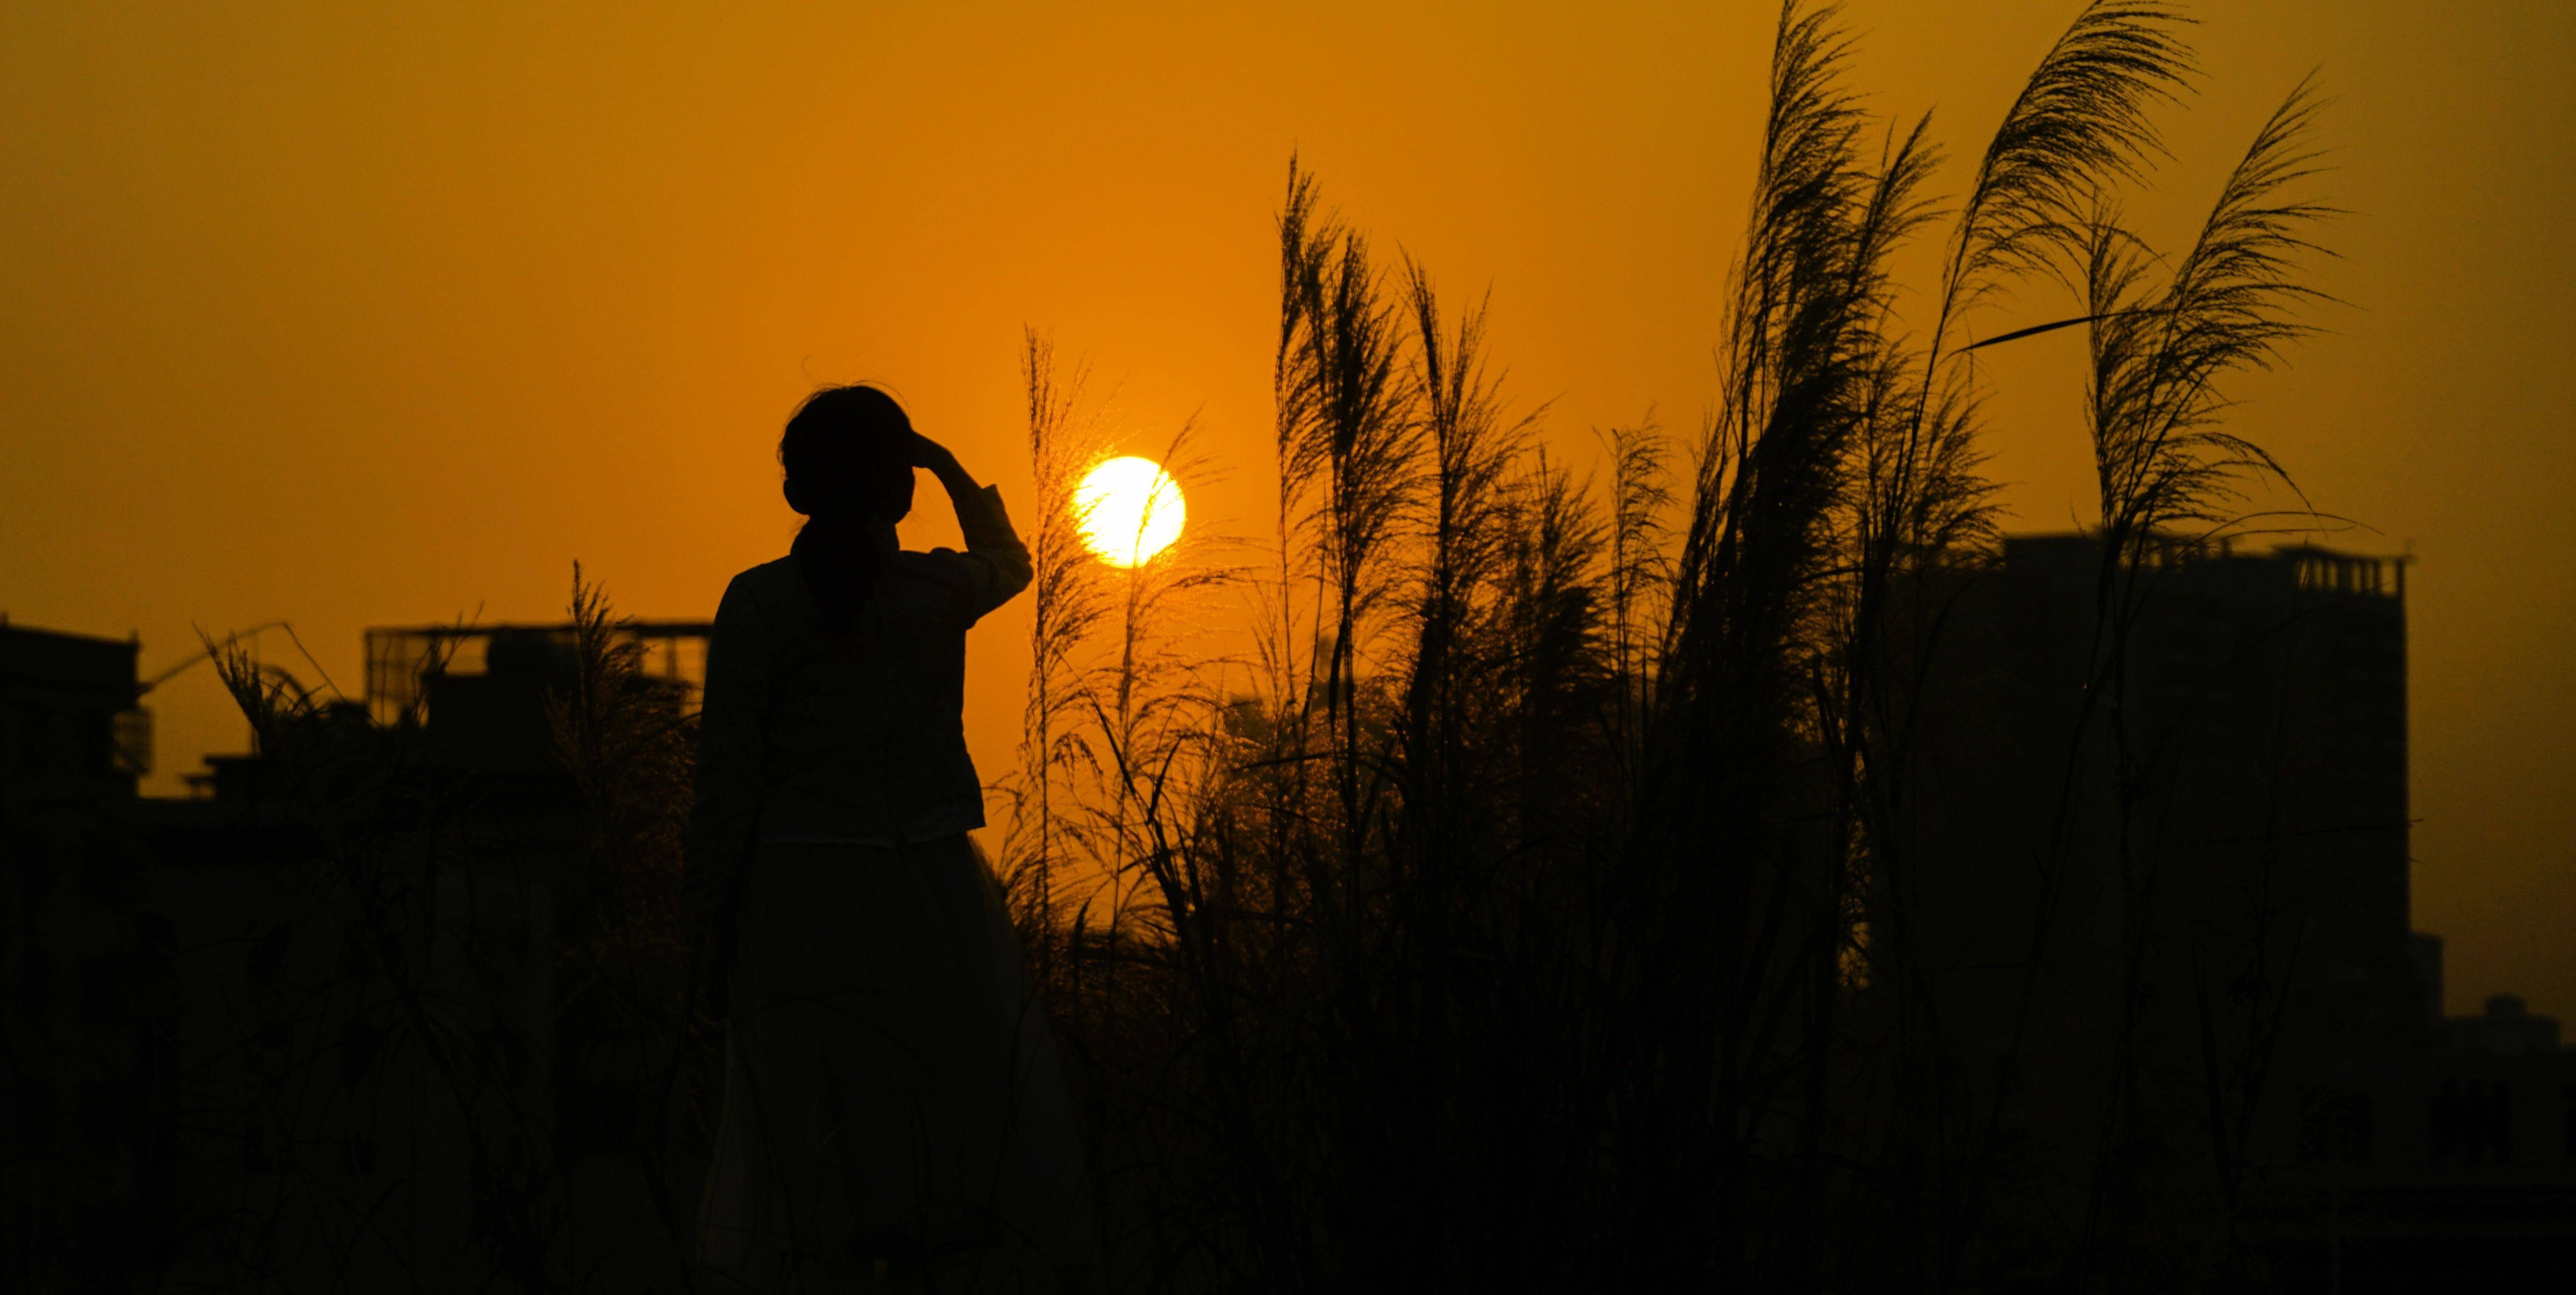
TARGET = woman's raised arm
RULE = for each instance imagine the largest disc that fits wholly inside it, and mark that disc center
(997, 562)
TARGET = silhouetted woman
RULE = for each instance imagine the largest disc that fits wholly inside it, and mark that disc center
(893, 1109)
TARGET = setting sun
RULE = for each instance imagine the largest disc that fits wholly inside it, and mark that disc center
(1131, 510)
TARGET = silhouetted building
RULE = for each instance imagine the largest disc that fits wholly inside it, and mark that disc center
(2506, 1029)
(69, 726)
(335, 975)
(85, 1154)
(2241, 752)
(410, 668)
(2179, 854)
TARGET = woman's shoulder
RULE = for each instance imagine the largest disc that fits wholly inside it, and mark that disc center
(945, 569)
(766, 585)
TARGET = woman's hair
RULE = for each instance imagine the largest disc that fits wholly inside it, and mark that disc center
(847, 453)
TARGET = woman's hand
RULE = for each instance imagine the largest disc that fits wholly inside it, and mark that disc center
(930, 454)
(927, 453)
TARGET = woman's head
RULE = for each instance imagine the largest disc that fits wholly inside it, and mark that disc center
(848, 454)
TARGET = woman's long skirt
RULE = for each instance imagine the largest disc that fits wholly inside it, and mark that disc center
(894, 1112)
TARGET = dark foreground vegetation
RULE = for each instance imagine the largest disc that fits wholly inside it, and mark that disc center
(1549, 889)
(1537, 904)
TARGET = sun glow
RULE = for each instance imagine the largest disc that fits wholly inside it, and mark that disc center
(1131, 510)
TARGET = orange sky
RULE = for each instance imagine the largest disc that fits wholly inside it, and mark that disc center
(365, 314)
